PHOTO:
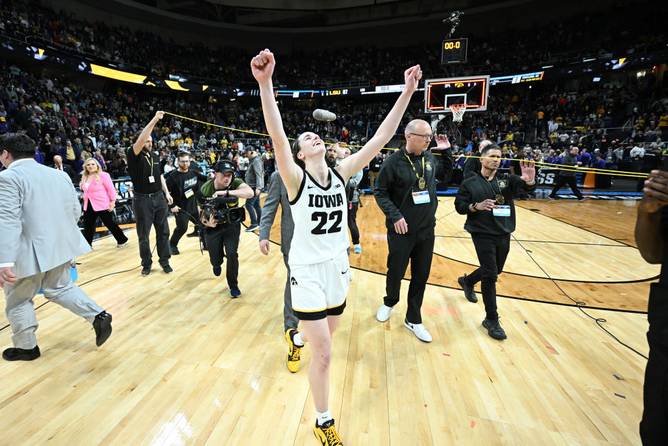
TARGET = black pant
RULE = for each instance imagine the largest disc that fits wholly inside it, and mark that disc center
(90, 217)
(254, 210)
(492, 252)
(653, 426)
(562, 181)
(223, 242)
(150, 210)
(352, 222)
(182, 217)
(419, 248)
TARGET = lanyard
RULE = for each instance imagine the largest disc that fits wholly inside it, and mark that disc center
(421, 181)
(149, 161)
(498, 196)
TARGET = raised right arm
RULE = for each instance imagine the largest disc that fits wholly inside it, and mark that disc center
(146, 133)
(262, 67)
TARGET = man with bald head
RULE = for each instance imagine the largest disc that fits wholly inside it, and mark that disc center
(406, 193)
(58, 165)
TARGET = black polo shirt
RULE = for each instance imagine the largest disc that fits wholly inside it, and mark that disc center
(140, 168)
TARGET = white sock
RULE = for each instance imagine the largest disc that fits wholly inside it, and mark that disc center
(297, 340)
(322, 417)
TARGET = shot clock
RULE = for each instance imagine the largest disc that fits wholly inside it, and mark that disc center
(454, 50)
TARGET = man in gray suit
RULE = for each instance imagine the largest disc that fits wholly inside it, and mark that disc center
(255, 179)
(35, 253)
(278, 195)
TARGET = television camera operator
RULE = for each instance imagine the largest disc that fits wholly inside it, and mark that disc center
(221, 217)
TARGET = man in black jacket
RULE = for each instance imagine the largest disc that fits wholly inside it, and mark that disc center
(651, 236)
(487, 201)
(406, 193)
(567, 175)
(183, 184)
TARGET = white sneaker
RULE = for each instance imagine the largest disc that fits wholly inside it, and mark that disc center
(419, 330)
(383, 313)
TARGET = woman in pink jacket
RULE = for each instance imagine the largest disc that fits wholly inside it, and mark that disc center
(99, 199)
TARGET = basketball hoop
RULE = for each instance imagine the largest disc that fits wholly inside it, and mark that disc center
(458, 111)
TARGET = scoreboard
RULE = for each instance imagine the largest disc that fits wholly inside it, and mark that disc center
(454, 50)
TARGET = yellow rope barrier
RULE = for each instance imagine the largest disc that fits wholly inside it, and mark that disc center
(612, 172)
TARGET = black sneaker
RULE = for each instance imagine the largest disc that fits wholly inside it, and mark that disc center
(21, 354)
(174, 250)
(469, 293)
(193, 234)
(217, 270)
(167, 269)
(145, 271)
(235, 292)
(102, 326)
(494, 329)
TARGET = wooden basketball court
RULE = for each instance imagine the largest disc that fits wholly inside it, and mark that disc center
(188, 365)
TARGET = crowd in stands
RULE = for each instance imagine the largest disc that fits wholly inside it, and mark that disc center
(619, 124)
(627, 29)
(75, 123)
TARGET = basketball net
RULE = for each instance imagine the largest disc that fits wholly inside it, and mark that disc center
(458, 111)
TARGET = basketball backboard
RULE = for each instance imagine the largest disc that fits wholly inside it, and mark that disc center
(440, 94)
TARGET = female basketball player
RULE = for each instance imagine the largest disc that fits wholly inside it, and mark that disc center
(318, 253)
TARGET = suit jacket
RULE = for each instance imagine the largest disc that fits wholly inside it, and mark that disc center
(277, 195)
(99, 195)
(39, 211)
(255, 173)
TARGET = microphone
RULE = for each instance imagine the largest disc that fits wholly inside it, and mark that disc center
(323, 115)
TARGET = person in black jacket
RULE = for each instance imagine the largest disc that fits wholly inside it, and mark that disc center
(567, 176)
(651, 235)
(183, 184)
(406, 193)
(487, 201)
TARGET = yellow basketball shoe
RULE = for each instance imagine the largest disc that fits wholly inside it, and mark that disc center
(293, 351)
(327, 434)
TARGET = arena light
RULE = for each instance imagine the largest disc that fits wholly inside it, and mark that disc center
(617, 64)
(38, 53)
(119, 75)
(174, 85)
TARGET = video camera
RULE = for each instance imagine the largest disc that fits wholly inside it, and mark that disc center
(215, 211)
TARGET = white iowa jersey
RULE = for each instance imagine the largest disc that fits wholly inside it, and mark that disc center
(320, 215)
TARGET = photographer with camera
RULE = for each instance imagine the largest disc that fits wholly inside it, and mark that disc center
(221, 216)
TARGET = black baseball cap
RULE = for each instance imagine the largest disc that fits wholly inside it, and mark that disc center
(224, 167)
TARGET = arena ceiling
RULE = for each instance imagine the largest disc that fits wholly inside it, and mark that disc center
(319, 13)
